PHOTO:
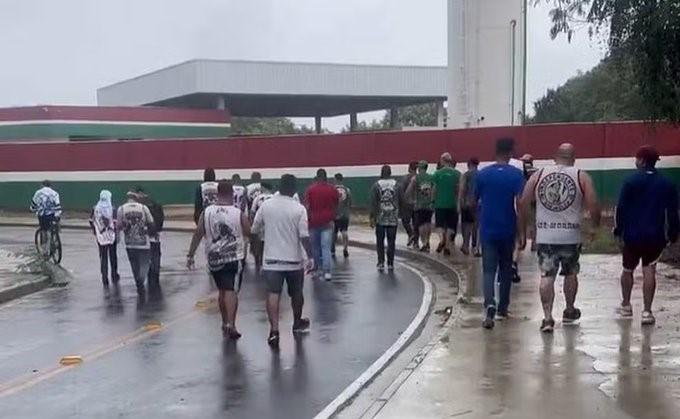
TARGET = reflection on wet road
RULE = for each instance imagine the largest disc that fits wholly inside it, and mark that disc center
(185, 369)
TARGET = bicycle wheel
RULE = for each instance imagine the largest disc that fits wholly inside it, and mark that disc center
(55, 252)
(39, 244)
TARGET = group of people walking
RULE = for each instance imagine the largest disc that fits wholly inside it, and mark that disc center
(495, 205)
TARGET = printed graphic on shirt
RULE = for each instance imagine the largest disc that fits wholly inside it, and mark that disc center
(209, 194)
(557, 191)
(104, 228)
(239, 196)
(224, 244)
(135, 228)
(254, 190)
(388, 213)
(46, 202)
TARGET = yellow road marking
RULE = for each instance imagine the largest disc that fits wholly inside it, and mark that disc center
(29, 380)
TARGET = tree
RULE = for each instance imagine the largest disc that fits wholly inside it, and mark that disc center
(423, 115)
(608, 92)
(266, 126)
(643, 33)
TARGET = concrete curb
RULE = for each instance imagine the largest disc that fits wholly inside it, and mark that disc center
(351, 391)
(24, 289)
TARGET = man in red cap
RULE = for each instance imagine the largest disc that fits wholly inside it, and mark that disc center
(646, 221)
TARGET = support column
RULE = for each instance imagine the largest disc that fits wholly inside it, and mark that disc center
(394, 117)
(353, 122)
(317, 124)
(441, 115)
(221, 103)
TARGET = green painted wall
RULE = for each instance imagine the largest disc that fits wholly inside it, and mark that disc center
(82, 195)
(109, 131)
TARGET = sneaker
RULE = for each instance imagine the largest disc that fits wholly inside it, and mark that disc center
(440, 248)
(105, 282)
(515, 274)
(390, 267)
(465, 251)
(648, 318)
(447, 252)
(625, 312)
(502, 315)
(478, 253)
(301, 326)
(547, 325)
(410, 242)
(488, 322)
(570, 316)
(230, 332)
(345, 253)
(381, 267)
(327, 276)
(425, 248)
(273, 339)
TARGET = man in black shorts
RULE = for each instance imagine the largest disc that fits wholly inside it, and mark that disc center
(421, 188)
(446, 184)
(283, 221)
(225, 228)
(646, 221)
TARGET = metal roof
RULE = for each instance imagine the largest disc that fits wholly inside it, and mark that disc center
(258, 88)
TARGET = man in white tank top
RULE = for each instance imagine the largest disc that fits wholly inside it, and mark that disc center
(560, 192)
(224, 227)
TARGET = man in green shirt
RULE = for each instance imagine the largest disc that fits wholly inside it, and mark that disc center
(421, 187)
(446, 181)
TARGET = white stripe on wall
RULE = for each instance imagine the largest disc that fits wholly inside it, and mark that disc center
(599, 164)
(127, 123)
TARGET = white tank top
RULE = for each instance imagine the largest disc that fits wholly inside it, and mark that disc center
(223, 236)
(559, 206)
(208, 193)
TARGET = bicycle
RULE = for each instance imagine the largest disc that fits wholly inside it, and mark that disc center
(53, 251)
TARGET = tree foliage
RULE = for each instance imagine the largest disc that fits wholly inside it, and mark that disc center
(267, 126)
(608, 92)
(423, 115)
(644, 33)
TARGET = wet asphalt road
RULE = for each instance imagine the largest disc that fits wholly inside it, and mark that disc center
(186, 369)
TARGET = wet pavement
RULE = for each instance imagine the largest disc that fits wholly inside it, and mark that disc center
(602, 367)
(185, 369)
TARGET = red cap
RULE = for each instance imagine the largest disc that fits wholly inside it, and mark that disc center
(648, 154)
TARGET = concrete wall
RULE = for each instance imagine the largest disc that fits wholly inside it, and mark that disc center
(171, 169)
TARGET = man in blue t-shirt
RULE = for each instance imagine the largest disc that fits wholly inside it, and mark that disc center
(499, 188)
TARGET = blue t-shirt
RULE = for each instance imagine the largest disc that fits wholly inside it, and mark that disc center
(647, 212)
(497, 187)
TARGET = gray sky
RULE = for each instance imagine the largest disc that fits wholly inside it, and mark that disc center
(60, 52)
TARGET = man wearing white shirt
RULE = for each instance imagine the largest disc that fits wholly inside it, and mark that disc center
(283, 221)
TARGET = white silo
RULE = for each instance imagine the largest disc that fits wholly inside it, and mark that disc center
(487, 62)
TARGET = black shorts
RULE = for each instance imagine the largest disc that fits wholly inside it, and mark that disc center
(446, 218)
(294, 280)
(46, 221)
(422, 216)
(229, 277)
(468, 216)
(341, 224)
(648, 254)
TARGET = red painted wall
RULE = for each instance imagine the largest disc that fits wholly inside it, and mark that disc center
(591, 141)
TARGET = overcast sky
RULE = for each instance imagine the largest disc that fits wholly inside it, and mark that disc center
(60, 52)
